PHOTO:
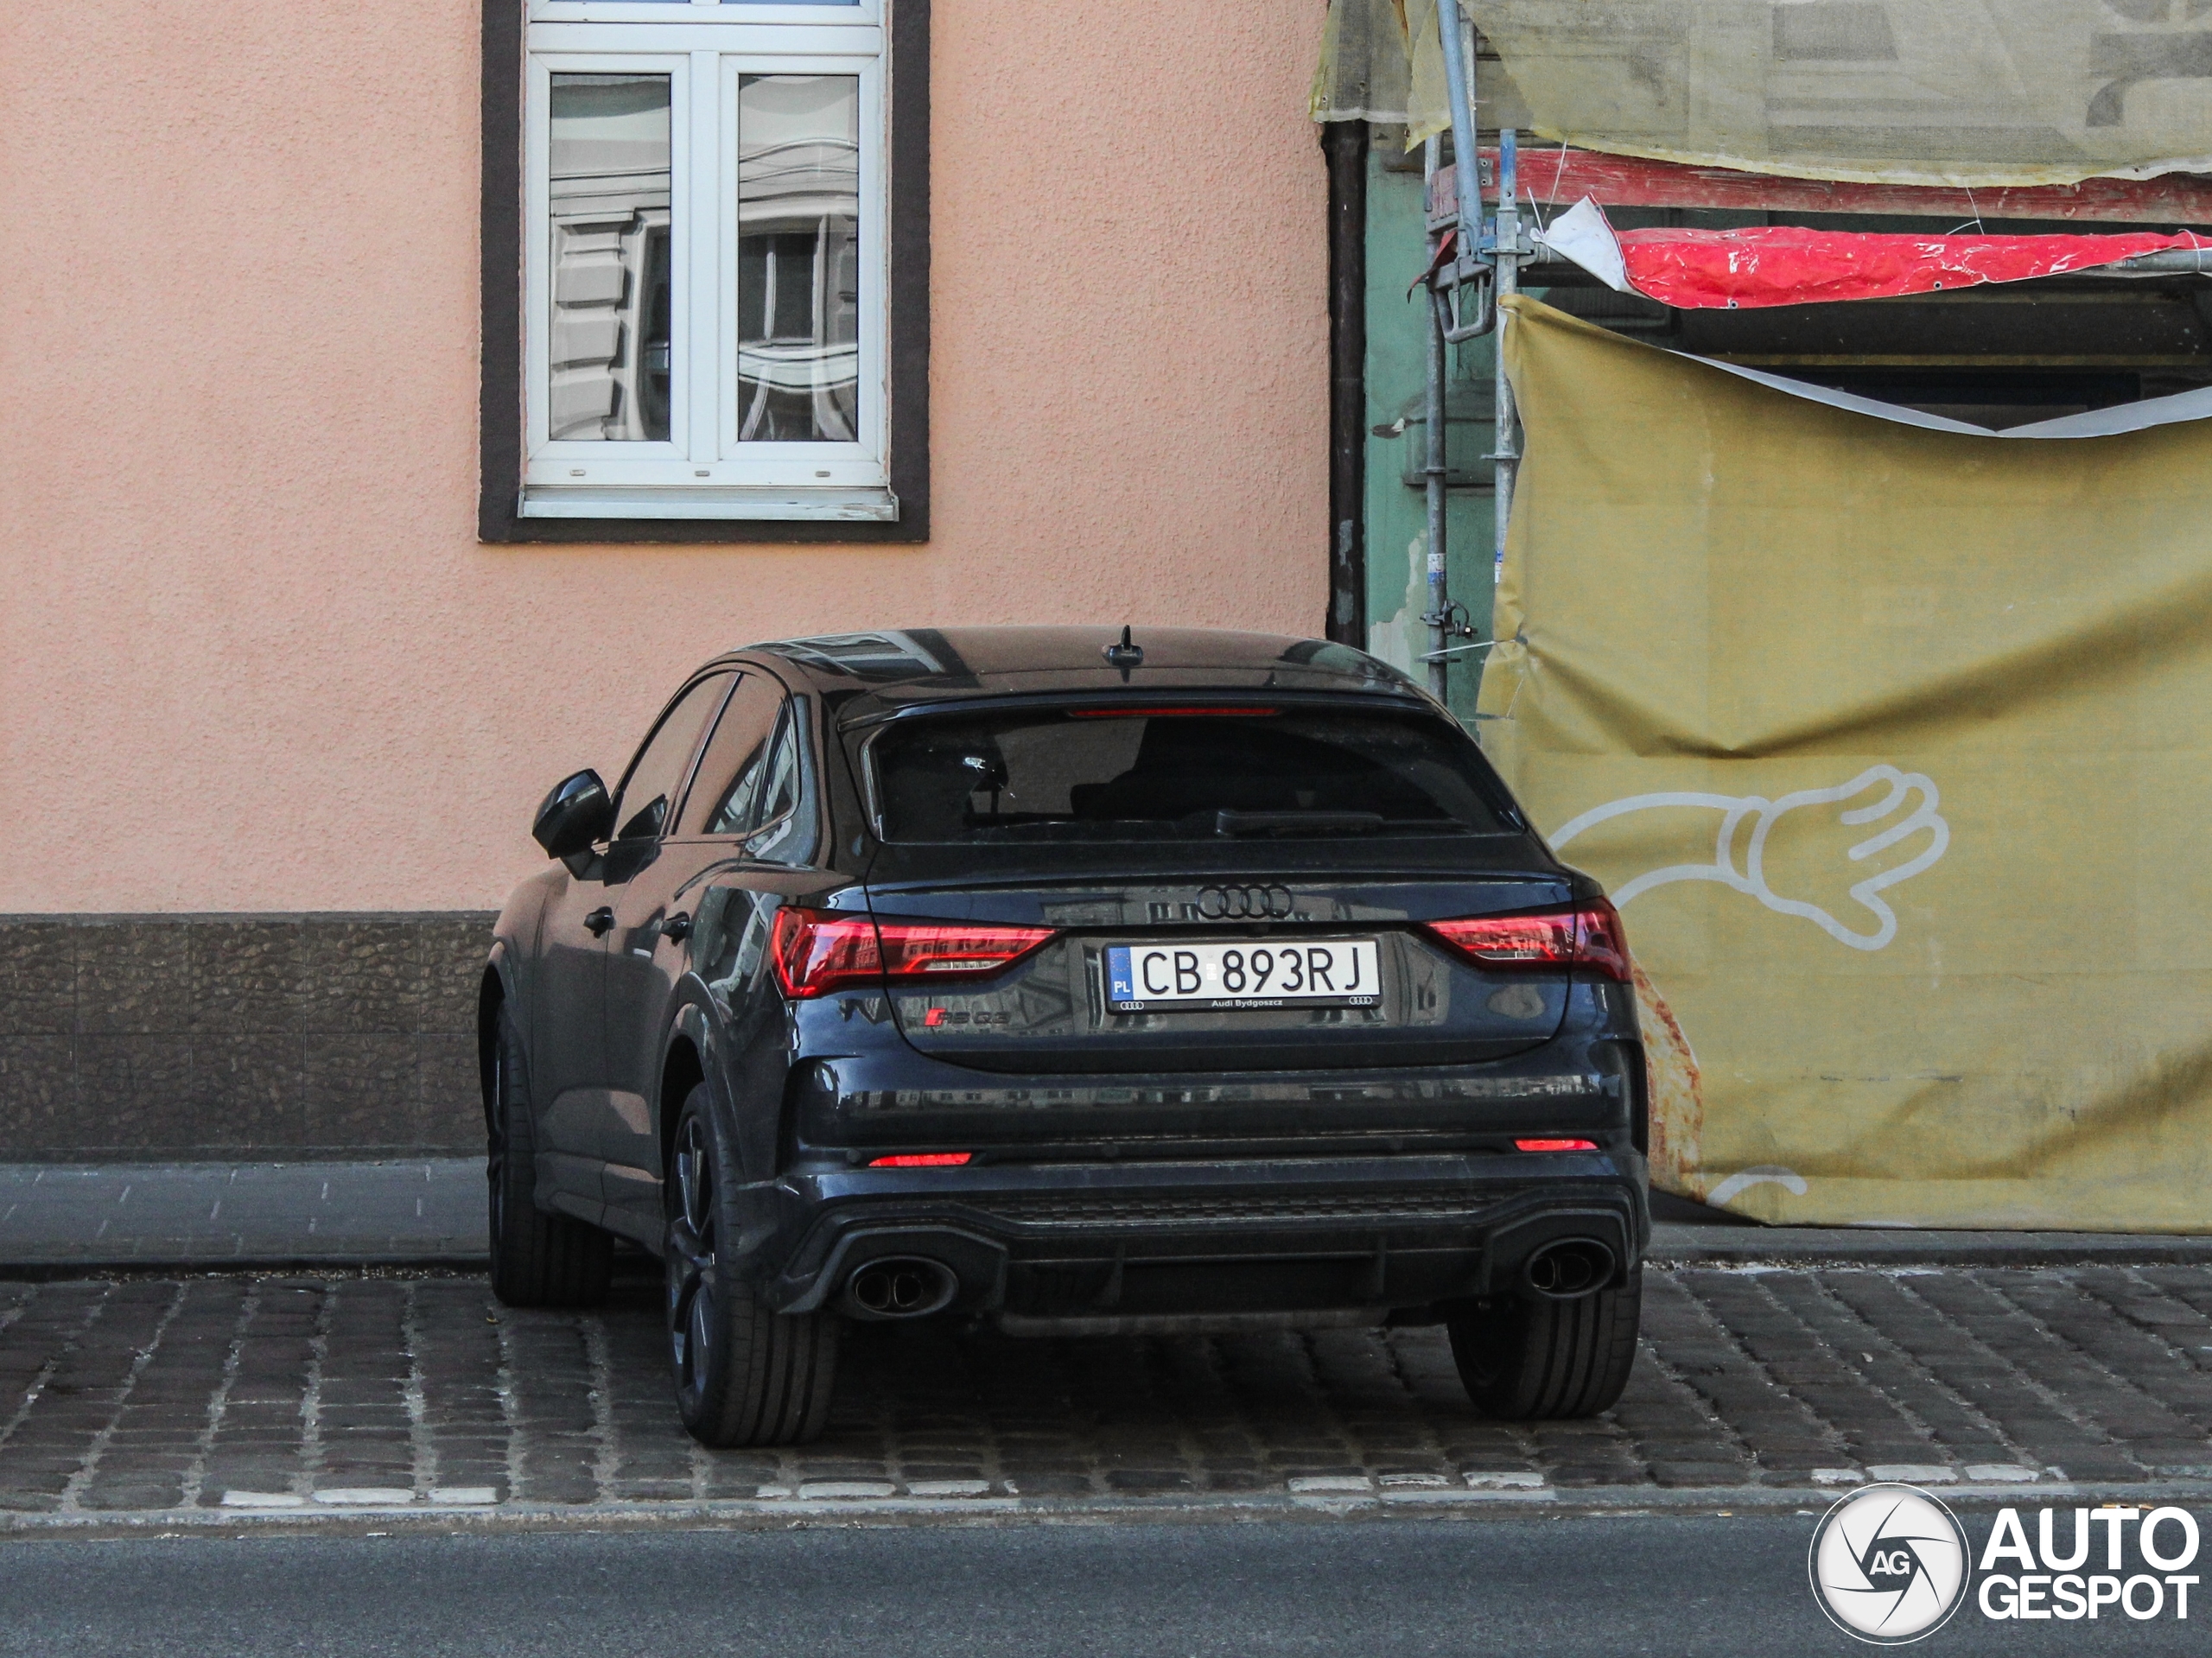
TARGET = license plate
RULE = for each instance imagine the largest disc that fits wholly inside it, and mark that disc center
(1206, 977)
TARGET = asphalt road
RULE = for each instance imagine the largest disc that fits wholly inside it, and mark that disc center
(1570, 1585)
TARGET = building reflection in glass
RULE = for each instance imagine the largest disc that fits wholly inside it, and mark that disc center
(798, 258)
(609, 341)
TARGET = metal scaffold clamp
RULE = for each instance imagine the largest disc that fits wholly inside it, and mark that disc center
(1454, 621)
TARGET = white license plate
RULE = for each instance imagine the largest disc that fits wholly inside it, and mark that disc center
(1151, 978)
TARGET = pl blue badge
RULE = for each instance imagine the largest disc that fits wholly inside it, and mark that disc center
(1889, 1564)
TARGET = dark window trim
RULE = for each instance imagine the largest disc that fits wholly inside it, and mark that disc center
(500, 401)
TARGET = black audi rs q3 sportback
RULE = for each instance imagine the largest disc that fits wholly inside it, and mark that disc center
(1077, 983)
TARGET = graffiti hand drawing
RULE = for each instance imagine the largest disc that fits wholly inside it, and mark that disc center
(1905, 808)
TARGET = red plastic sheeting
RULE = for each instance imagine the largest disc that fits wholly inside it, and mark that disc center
(1554, 177)
(1786, 265)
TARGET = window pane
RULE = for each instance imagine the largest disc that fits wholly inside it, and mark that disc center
(610, 198)
(729, 771)
(1043, 774)
(798, 258)
(657, 771)
(781, 811)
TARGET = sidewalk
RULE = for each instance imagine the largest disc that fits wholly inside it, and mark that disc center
(430, 1211)
(102, 1217)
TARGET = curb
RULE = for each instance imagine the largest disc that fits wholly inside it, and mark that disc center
(741, 1514)
(1679, 1245)
(1761, 1247)
(1674, 1243)
(361, 1261)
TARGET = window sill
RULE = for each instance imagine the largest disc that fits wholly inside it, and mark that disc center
(788, 506)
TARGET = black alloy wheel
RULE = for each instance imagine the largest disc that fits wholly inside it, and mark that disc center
(745, 1375)
(538, 1259)
(1527, 1360)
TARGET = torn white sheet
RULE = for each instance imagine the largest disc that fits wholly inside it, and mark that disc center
(1859, 405)
(2123, 417)
(2097, 423)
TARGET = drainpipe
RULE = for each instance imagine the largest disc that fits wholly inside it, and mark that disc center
(1434, 471)
(1344, 143)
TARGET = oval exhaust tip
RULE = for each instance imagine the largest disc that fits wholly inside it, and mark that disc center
(899, 1289)
(1569, 1267)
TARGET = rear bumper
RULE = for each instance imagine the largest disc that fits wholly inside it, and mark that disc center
(1165, 1239)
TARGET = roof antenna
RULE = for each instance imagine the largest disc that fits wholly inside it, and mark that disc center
(1125, 655)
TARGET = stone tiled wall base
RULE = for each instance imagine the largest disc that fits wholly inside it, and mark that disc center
(217, 1036)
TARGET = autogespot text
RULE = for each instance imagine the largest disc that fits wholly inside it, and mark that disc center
(2081, 1563)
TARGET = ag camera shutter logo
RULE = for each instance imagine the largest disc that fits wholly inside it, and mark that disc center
(1889, 1564)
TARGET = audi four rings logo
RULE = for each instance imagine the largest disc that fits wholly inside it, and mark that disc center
(1244, 902)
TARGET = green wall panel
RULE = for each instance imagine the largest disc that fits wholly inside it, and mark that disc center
(1397, 551)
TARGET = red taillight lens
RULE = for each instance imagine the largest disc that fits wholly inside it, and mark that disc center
(816, 951)
(1599, 943)
(1556, 1144)
(921, 1161)
(1586, 935)
(915, 948)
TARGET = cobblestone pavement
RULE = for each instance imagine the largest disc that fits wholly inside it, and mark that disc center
(230, 1395)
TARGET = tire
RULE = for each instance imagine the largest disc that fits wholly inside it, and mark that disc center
(745, 1375)
(538, 1259)
(1526, 1361)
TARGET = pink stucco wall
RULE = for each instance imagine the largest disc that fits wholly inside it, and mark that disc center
(251, 655)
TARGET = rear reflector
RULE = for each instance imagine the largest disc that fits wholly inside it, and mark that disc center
(922, 1160)
(816, 951)
(1584, 936)
(1556, 1144)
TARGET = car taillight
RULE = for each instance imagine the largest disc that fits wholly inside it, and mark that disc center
(1555, 1145)
(1583, 936)
(816, 951)
(921, 1161)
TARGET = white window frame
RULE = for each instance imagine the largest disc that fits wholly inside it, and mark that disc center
(703, 471)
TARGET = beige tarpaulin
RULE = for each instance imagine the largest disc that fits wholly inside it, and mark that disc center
(1382, 61)
(1895, 747)
(1906, 92)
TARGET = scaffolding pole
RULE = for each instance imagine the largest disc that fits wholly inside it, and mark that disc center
(1505, 454)
(1464, 253)
(1436, 466)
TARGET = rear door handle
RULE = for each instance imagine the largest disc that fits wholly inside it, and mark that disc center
(599, 921)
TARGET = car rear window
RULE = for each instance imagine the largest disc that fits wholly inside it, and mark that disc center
(1191, 772)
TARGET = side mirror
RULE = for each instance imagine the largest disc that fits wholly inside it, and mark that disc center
(576, 814)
